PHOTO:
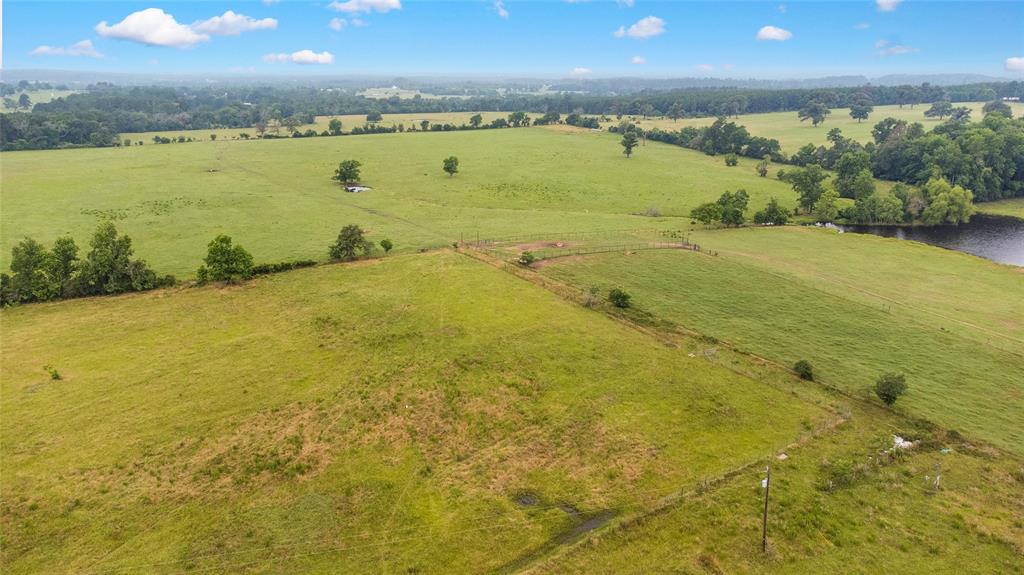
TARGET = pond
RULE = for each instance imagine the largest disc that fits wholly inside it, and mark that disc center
(998, 238)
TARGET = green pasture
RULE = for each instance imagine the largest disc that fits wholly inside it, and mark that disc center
(855, 306)
(37, 97)
(1011, 207)
(421, 413)
(277, 199)
(792, 133)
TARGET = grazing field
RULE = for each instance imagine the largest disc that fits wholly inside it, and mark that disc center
(277, 199)
(792, 133)
(855, 306)
(421, 413)
(37, 97)
(1012, 207)
(348, 121)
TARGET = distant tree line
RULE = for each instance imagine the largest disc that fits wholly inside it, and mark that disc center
(97, 115)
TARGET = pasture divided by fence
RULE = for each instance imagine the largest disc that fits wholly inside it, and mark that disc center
(550, 245)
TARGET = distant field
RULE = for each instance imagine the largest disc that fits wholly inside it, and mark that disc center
(347, 122)
(792, 133)
(422, 413)
(855, 306)
(37, 97)
(1012, 207)
(276, 197)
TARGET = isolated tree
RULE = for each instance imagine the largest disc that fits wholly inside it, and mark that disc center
(804, 370)
(629, 141)
(814, 111)
(890, 386)
(707, 213)
(225, 262)
(213, 137)
(997, 107)
(619, 298)
(762, 166)
(939, 109)
(451, 165)
(772, 214)
(24, 101)
(675, 111)
(732, 206)
(334, 127)
(807, 183)
(347, 172)
(374, 117)
(647, 110)
(291, 123)
(261, 128)
(425, 125)
(350, 244)
(518, 119)
(960, 114)
(386, 245)
(475, 120)
(826, 209)
(861, 109)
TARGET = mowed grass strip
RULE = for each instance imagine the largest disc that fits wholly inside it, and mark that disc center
(965, 376)
(422, 412)
(277, 199)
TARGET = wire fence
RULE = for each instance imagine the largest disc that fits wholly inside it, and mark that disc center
(552, 245)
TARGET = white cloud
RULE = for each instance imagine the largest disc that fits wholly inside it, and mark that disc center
(705, 67)
(270, 2)
(887, 48)
(232, 24)
(359, 23)
(861, 26)
(1015, 64)
(644, 28)
(499, 7)
(357, 6)
(153, 27)
(887, 5)
(773, 33)
(781, 8)
(626, 3)
(300, 57)
(83, 48)
(580, 71)
(337, 24)
(639, 60)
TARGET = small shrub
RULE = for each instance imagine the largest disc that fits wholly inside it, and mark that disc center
(890, 386)
(54, 374)
(804, 370)
(652, 212)
(386, 245)
(591, 297)
(731, 160)
(264, 269)
(526, 258)
(619, 298)
(839, 474)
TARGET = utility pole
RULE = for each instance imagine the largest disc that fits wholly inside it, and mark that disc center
(767, 484)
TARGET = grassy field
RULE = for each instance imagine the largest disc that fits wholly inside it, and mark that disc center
(37, 97)
(322, 123)
(1012, 207)
(855, 306)
(792, 133)
(422, 412)
(276, 197)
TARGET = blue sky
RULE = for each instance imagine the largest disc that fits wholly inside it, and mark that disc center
(486, 37)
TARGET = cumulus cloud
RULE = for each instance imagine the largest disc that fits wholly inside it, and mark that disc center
(887, 5)
(773, 33)
(357, 6)
(152, 27)
(232, 24)
(83, 48)
(300, 57)
(499, 7)
(1015, 64)
(337, 24)
(639, 60)
(705, 67)
(887, 48)
(644, 28)
(580, 71)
